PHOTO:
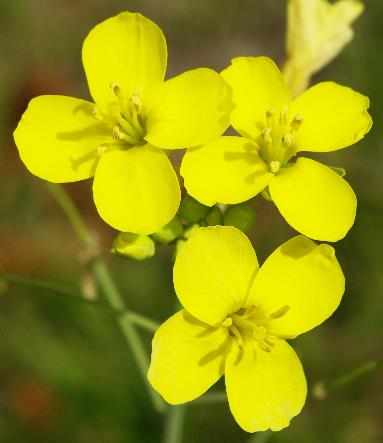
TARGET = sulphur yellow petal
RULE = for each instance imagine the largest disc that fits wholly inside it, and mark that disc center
(334, 117)
(57, 138)
(188, 357)
(304, 276)
(265, 389)
(189, 110)
(136, 190)
(213, 272)
(227, 170)
(128, 50)
(314, 200)
(258, 86)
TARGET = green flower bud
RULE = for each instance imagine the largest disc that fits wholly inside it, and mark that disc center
(190, 230)
(169, 232)
(191, 210)
(138, 247)
(240, 216)
(214, 217)
(340, 171)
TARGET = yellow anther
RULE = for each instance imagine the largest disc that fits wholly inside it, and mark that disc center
(280, 312)
(284, 115)
(227, 322)
(259, 333)
(270, 116)
(237, 335)
(101, 150)
(136, 102)
(288, 139)
(296, 122)
(115, 87)
(274, 166)
(266, 135)
(118, 134)
(96, 113)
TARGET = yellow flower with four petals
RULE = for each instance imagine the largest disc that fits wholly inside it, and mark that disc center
(236, 320)
(119, 140)
(312, 198)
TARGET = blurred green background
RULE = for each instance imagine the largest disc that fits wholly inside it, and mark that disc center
(66, 373)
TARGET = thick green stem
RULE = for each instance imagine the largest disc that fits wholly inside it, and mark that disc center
(174, 424)
(109, 288)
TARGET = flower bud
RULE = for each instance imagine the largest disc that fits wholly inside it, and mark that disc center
(169, 232)
(135, 246)
(214, 217)
(191, 210)
(240, 216)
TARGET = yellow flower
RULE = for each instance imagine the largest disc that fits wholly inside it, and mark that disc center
(316, 32)
(312, 198)
(137, 114)
(236, 320)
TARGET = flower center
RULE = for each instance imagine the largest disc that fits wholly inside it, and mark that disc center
(125, 118)
(277, 141)
(253, 323)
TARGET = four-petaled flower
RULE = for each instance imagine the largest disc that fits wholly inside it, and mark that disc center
(312, 198)
(64, 139)
(236, 320)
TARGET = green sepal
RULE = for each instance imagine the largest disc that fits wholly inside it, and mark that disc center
(191, 210)
(170, 232)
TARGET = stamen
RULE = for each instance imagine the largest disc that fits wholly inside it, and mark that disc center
(266, 135)
(227, 322)
(269, 117)
(284, 115)
(274, 166)
(297, 122)
(288, 139)
(280, 312)
(237, 335)
(96, 113)
(115, 87)
(118, 134)
(259, 333)
(136, 102)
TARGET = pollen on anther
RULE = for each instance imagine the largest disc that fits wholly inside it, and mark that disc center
(274, 166)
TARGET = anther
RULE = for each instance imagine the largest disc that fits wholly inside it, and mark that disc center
(284, 115)
(116, 89)
(296, 122)
(136, 102)
(227, 322)
(274, 166)
(288, 139)
(280, 312)
(96, 113)
(118, 134)
(269, 116)
(101, 150)
(266, 135)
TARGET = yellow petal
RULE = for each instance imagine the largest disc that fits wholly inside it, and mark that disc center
(258, 86)
(188, 357)
(314, 200)
(189, 110)
(213, 272)
(265, 389)
(226, 170)
(334, 117)
(57, 138)
(128, 50)
(136, 190)
(304, 276)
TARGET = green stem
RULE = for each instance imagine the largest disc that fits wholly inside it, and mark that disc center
(354, 374)
(174, 424)
(138, 319)
(110, 290)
